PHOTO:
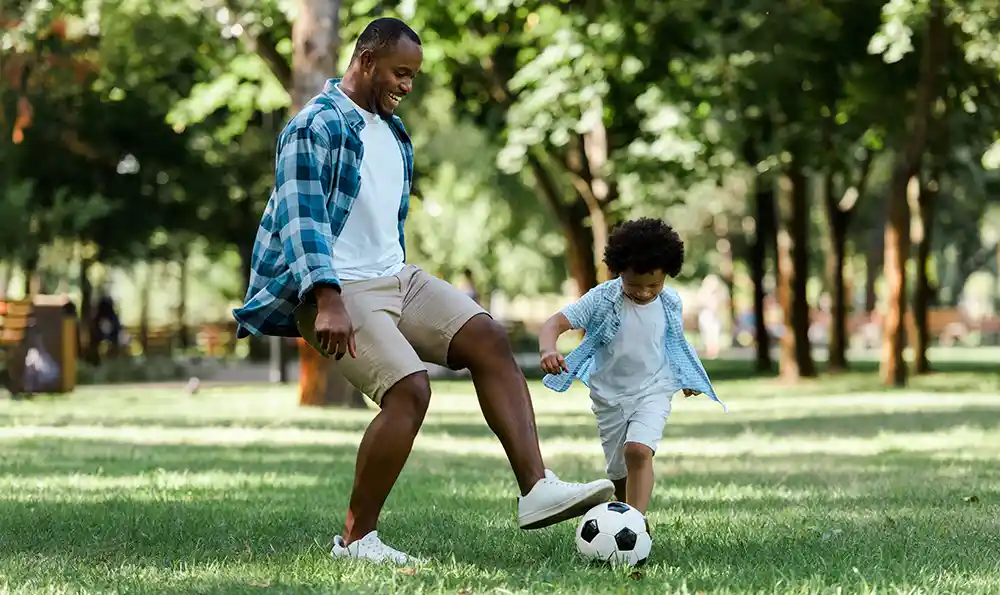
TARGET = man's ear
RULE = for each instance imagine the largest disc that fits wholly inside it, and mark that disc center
(367, 59)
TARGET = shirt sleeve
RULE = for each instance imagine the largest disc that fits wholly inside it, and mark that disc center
(302, 175)
(580, 313)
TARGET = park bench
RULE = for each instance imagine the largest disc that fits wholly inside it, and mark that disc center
(946, 325)
(15, 317)
(151, 341)
(159, 341)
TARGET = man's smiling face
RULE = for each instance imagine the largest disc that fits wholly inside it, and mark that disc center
(390, 75)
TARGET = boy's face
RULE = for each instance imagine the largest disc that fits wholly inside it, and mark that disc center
(643, 288)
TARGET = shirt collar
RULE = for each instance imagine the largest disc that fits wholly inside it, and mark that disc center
(344, 104)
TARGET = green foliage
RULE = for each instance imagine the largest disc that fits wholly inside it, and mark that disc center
(176, 104)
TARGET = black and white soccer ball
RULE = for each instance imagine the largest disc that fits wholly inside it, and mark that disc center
(614, 532)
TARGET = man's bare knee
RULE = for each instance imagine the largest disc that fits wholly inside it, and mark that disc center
(411, 397)
(482, 342)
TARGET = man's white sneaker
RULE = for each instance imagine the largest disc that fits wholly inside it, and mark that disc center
(370, 547)
(552, 501)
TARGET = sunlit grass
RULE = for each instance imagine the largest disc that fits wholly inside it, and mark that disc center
(834, 484)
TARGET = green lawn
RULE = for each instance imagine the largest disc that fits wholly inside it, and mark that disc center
(832, 486)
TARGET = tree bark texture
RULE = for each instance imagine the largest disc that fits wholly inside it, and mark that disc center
(793, 266)
(897, 232)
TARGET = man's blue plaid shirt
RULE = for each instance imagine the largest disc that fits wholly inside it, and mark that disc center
(599, 314)
(317, 177)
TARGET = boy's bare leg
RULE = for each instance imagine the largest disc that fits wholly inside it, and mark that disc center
(639, 483)
(620, 489)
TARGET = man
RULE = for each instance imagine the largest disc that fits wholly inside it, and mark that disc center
(329, 264)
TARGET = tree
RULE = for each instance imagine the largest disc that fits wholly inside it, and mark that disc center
(840, 212)
(316, 47)
(907, 161)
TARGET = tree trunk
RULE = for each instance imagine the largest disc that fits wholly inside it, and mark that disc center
(30, 272)
(571, 218)
(758, 269)
(800, 272)
(897, 232)
(315, 48)
(793, 266)
(5, 276)
(939, 141)
(599, 229)
(839, 214)
(587, 164)
(897, 249)
(765, 234)
(321, 380)
(86, 313)
(145, 289)
(183, 336)
(836, 261)
(922, 292)
(580, 255)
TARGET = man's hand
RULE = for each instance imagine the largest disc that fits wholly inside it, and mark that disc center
(553, 363)
(334, 330)
(690, 392)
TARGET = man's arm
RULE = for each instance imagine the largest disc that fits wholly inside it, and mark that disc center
(302, 176)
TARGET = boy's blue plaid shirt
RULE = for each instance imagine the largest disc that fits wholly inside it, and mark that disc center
(317, 177)
(599, 314)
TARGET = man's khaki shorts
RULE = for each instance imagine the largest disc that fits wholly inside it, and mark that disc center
(400, 322)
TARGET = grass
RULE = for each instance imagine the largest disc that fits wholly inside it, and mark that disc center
(832, 486)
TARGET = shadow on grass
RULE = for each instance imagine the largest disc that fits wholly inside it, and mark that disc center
(443, 499)
(582, 426)
(747, 522)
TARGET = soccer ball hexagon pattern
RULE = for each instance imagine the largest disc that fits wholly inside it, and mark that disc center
(614, 532)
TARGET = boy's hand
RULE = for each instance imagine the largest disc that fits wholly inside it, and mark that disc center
(690, 392)
(553, 363)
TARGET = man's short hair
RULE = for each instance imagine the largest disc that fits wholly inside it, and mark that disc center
(382, 34)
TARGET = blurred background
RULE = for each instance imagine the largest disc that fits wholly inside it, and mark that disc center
(829, 164)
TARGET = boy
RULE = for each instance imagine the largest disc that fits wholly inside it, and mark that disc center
(634, 356)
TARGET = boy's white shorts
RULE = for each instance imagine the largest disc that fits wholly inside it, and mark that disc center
(639, 420)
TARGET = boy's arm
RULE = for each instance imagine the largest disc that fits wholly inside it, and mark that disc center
(574, 316)
(695, 380)
(553, 328)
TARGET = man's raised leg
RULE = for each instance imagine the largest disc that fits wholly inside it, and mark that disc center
(483, 347)
(446, 327)
(503, 395)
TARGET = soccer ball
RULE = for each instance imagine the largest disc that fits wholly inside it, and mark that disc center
(614, 532)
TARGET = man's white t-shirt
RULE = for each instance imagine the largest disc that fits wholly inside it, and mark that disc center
(368, 247)
(633, 364)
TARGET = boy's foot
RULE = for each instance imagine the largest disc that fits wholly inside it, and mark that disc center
(552, 501)
(371, 548)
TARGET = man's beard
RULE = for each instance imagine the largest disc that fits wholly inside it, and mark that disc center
(376, 103)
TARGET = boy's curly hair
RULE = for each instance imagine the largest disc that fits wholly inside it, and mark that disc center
(644, 245)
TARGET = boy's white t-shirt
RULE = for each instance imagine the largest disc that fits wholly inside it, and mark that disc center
(633, 364)
(368, 247)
